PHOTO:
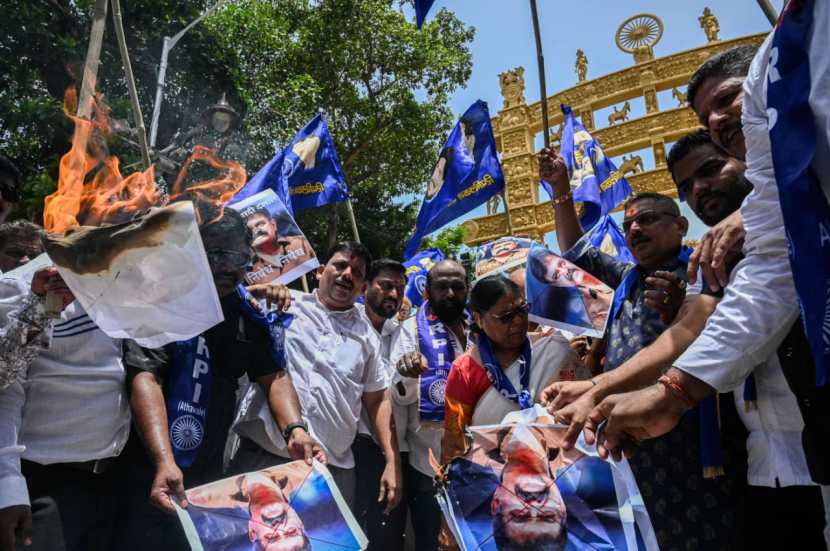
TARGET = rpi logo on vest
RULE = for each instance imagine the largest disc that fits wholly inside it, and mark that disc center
(201, 366)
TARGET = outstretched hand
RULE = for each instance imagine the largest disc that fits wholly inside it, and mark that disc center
(722, 241)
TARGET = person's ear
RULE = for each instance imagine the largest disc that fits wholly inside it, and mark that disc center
(251, 533)
(319, 272)
(477, 319)
(683, 225)
(364, 288)
(494, 507)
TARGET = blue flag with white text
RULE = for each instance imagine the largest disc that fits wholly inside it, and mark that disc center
(467, 174)
(607, 237)
(594, 178)
(416, 274)
(421, 9)
(305, 174)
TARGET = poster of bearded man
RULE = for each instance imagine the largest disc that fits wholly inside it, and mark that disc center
(291, 507)
(515, 488)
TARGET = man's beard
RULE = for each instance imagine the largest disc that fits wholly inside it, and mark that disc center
(448, 311)
(731, 200)
(379, 308)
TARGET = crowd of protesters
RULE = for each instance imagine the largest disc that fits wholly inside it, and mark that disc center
(86, 460)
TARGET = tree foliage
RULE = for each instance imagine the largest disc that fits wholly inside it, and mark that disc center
(383, 85)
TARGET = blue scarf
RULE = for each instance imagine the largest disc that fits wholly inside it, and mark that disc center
(803, 204)
(274, 323)
(500, 380)
(434, 344)
(621, 292)
(188, 395)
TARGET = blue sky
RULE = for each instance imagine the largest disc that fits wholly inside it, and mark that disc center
(504, 39)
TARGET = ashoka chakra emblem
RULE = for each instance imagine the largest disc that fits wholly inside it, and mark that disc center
(436, 391)
(186, 432)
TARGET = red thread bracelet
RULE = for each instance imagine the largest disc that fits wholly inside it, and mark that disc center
(677, 389)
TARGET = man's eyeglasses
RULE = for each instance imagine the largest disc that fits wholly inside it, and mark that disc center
(645, 219)
(507, 317)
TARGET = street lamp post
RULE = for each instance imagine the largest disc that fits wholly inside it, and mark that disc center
(169, 44)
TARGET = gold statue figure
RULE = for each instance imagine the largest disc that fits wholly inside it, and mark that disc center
(709, 24)
(581, 66)
(679, 96)
(621, 115)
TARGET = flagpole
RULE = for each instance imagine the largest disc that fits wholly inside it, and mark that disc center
(352, 219)
(540, 59)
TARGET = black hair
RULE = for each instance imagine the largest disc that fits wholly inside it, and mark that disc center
(733, 62)
(352, 248)
(385, 265)
(224, 228)
(489, 290)
(262, 211)
(19, 229)
(12, 193)
(659, 198)
(685, 145)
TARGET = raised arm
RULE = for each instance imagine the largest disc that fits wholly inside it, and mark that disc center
(552, 169)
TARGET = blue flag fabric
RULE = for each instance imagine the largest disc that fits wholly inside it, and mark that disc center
(421, 9)
(804, 206)
(607, 237)
(416, 274)
(597, 182)
(306, 174)
(467, 174)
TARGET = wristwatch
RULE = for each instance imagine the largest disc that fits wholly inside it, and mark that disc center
(290, 428)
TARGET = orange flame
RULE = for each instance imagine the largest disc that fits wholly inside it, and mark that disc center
(93, 192)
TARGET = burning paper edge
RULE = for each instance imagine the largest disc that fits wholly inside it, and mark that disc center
(196, 543)
(167, 337)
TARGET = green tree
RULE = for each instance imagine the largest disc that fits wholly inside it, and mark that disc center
(449, 240)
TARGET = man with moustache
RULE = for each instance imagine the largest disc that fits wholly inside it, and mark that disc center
(648, 296)
(282, 250)
(419, 383)
(713, 184)
(384, 528)
(334, 358)
(759, 310)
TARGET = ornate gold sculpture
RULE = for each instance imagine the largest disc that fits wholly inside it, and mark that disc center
(581, 66)
(709, 24)
(517, 124)
(619, 116)
(679, 96)
(493, 204)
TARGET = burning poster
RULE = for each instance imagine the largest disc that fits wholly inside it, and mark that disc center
(565, 296)
(282, 251)
(515, 488)
(291, 507)
(502, 255)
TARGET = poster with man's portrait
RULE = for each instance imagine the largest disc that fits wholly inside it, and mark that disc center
(516, 489)
(502, 255)
(282, 252)
(291, 507)
(565, 296)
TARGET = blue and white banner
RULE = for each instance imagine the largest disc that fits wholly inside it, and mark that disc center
(607, 237)
(594, 178)
(467, 174)
(188, 396)
(305, 174)
(416, 274)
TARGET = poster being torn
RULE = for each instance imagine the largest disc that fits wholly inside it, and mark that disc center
(515, 488)
(147, 279)
(290, 507)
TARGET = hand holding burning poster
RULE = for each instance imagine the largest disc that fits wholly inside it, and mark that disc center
(291, 507)
(516, 488)
(282, 251)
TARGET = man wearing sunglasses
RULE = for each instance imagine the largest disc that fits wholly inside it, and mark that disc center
(181, 435)
(648, 296)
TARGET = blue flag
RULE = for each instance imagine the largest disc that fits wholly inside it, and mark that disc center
(416, 274)
(421, 9)
(595, 180)
(305, 174)
(467, 174)
(607, 237)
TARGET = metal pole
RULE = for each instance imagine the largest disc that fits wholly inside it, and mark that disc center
(540, 58)
(352, 219)
(769, 11)
(305, 283)
(128, 71)
(93, 58)
(169, 43)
